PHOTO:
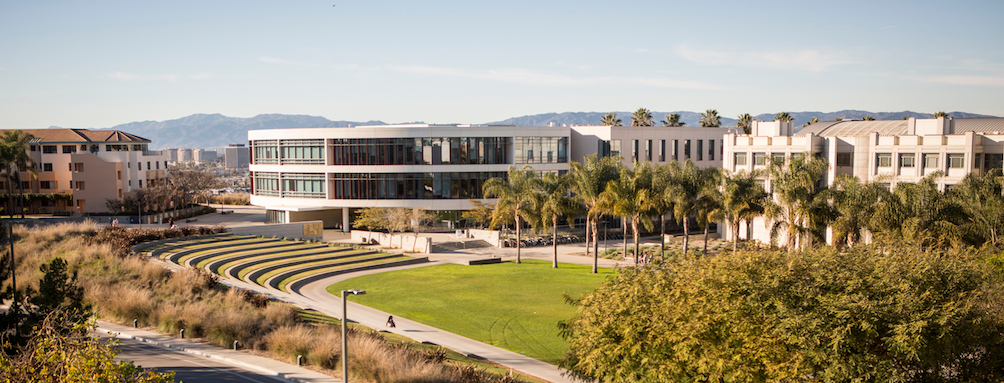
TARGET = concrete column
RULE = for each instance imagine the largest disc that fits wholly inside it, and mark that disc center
(345, 220)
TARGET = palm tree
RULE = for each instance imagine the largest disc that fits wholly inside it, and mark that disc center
(811, 121)
(516, 199)
(743, 199)
(801, 208)
(628, 197)
(745, 123)
(610, 119)
(641, 117)
(710, 119)
(683, 191)
(855, 204)
(941, 114)
(838, 119)
(662, 204)
(588, 180)
(782, 116)
(710, 201)
(981, 198)
(869, 118)
(14, 159)
(673, 120)
(554, 203)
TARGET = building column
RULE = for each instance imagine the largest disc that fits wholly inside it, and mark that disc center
(345, 220)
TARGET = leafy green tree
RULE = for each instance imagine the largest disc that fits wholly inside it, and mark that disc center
(941, 114)
(480, 215)
(53, 355)
(876, 313)
(981, 199)
(516, 199)
(610, 119)
(743, 199)
(855, 204)
(628, 196)
(641, 117)
(589, 179)
(782, 116)
(710, 119)
(745, 123)
(673, 120)
(555, 202)
(801, 210)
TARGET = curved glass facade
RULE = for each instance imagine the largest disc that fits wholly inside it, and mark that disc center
(420, 151)
(445, 185)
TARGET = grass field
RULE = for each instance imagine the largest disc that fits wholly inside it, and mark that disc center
(513, 306)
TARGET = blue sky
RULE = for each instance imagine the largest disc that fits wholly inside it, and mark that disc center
(102, 63)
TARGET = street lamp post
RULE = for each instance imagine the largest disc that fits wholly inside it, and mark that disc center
(345, 331)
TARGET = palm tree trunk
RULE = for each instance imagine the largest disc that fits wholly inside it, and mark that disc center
(662, 236)
(625, 225)
(735, 236)
(637, 248)
(20, 194)
(686, 235)
(707, 228)
(10, 195)
(588, 226)
(518, 248)
(596, 254)
(554, 240)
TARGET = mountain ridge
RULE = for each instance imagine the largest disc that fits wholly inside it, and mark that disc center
(204, 130)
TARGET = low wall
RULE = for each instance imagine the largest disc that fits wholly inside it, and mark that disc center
(307, 230)
(406, 242)
(490, 236)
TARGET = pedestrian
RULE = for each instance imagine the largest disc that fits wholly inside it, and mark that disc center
(170, 222)
(115, 222)
(390, 322)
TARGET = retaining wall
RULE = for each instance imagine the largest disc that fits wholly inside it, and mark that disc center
(406, 242)
(307, 230)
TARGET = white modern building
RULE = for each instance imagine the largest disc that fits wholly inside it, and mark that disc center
(874, 151)
(325, 173)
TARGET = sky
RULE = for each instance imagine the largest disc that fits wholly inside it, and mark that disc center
(96, 64)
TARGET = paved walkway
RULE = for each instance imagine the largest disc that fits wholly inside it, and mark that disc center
(256, 363)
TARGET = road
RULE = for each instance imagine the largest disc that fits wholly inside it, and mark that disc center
(188, 368)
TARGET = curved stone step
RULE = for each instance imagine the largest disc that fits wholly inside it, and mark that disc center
(286, 247)
(233, 271)
(173, 257)
(213, 264)
(295, 286)
(257, 273)
(182, 243)
(275, 280)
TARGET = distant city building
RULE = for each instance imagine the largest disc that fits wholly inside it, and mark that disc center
(172, 154)
(203, 155)
(236, 156)
(326, 173)
(184, 155)
(873, 151)
(93, 166)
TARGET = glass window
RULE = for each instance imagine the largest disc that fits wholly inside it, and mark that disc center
(615, 148)
(711, 150)
(845, 159)
(266, 184)
(69, 148)
(48, 148)
(759, 158)
(740, 159)
(993, 161)
(931, 160)
(686, 149)
(884, 160)
(907, 160)
(305, 152)
(47, 167)
(956, 160)
(777, 158)
(700, 150)
(662, 150)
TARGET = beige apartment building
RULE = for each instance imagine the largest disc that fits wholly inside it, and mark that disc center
(91, 166)
(889, 152)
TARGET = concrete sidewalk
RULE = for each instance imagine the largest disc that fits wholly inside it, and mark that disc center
(255, 363)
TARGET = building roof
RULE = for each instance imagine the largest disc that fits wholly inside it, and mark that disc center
(978, 125)
(84, 135)
(855, 128)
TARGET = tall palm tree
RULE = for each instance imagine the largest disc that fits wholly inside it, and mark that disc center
(869, 118)
(516, 199)
(554, 202)
(15, 159)
(588, 180)
(673, 120)
(743, 199)
(919, 211)
(683, 191)
(801, 206)
(941, 114)
(710, 119)
(855, 204)
(782, 116)
(811, 121)
(610, 119)
(662, 204)
(710, 201)
(745, 123)
(641, 117)
(981, 198)
(628, 197)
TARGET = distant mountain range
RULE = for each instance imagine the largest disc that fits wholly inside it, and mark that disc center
(216, 130)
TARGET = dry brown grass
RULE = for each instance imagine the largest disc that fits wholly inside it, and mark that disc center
(124, 287)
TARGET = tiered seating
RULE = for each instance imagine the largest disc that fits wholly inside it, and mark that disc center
(279, 264)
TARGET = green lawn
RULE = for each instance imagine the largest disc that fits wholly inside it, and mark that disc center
(509, 305)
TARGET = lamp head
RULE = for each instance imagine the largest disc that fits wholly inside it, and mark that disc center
(356, 292)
